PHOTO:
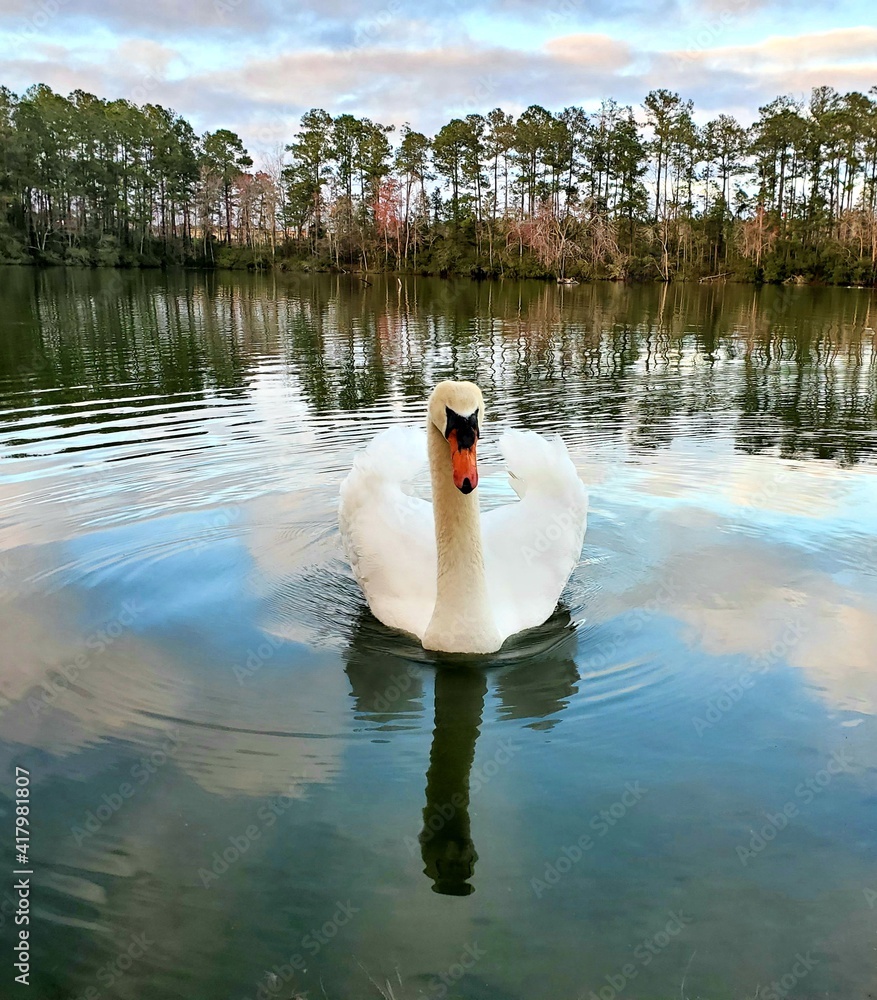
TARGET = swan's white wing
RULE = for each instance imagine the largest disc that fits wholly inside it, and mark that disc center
(389, 536)
(531, 547)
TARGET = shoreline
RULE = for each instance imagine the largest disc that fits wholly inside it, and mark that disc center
(795, 281)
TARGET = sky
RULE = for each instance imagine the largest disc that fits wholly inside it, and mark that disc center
(255, 66)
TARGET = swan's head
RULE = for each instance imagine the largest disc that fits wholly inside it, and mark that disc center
(457, 410)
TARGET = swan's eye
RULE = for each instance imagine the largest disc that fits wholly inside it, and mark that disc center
(466, 427)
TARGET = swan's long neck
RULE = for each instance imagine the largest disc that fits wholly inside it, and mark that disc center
(462, 620)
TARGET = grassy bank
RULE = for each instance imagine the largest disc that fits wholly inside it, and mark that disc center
(446, 257)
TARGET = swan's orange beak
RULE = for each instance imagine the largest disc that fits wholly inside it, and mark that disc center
(465, 467)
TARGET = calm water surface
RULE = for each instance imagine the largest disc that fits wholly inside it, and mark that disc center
(246, 787)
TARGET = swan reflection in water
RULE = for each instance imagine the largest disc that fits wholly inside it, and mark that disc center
(446, 844)
(534, 679)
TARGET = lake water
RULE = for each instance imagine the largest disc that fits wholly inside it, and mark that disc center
(243, 786)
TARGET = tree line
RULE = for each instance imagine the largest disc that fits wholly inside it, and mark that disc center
(618, 192)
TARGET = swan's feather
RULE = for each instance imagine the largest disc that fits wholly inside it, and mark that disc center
(389, 536)
(532, 546)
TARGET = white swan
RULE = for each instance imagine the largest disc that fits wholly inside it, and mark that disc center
(460, 582)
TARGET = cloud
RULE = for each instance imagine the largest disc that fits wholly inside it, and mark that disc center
(161, 18)
(330, 22)
(396, 68)
(595, 51)
(401, 84)
(825, 48)
(739, 78)
(558, 12)
(264, 97)
(146, 55)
